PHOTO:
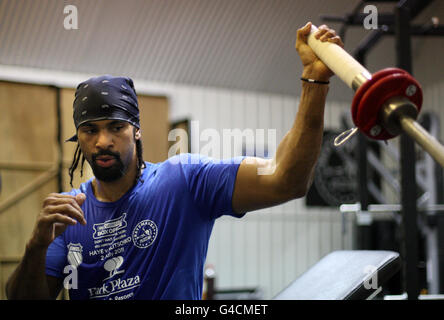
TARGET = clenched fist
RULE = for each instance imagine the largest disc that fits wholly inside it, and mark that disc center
(314, 68)
(59, 211)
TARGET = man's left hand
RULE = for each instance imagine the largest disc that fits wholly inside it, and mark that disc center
(314, 68)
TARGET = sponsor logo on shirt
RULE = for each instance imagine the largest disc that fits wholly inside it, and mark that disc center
(114, 287)
(110, 238)
(144, 234)
(109, 228)
(112, 265)
(75, 254)
(117, 285)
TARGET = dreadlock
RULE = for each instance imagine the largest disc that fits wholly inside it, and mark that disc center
(140, 163)
(78, 153)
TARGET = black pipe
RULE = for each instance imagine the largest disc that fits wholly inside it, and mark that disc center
(362, 158)
(369, 42)
(59, 139)
(408, 175)
(421, 31)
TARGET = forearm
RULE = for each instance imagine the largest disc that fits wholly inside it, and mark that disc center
(297, 154)
(29, 279)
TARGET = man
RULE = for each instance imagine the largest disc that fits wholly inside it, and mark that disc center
(140, 230)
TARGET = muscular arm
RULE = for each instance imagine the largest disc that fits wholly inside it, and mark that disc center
(299, 150)
(291, 171)
(29, 280)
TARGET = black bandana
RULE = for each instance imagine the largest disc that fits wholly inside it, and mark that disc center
(105, 98)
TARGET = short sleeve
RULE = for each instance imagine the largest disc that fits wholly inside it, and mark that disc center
(211, 182)
(56, 257)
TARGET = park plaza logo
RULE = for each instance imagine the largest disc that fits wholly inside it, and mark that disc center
(114, 286)
(112, 265)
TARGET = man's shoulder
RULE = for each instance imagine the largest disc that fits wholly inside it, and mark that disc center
(200, 159)
(182, 158)
(81, 189)
(193, 163)
(176, 161)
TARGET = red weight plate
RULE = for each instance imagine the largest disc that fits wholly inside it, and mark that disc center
(377, 94)
(363, 88)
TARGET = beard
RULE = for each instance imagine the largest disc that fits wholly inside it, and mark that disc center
(111, 173)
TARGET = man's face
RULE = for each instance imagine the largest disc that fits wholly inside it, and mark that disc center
(109, 147)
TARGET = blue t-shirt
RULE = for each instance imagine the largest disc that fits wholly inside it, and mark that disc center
(151, 243)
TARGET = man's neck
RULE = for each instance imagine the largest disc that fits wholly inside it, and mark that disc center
(113, 191)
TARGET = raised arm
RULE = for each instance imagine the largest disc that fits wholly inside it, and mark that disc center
(262, 183)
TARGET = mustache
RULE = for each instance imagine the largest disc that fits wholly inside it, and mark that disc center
(105, 153)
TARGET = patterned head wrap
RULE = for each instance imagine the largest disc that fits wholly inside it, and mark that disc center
(105, 98)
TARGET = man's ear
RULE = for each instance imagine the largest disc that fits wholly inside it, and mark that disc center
(138, 134)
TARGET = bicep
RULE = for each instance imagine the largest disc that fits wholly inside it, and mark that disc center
(258, 186)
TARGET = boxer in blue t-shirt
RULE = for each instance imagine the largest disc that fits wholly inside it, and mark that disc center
(140, 230)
